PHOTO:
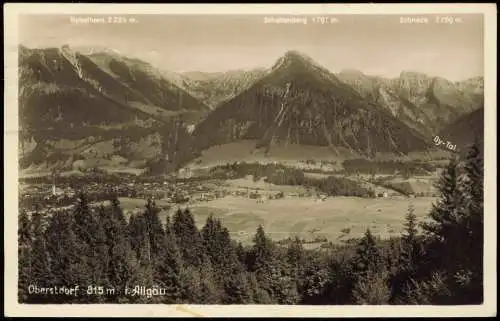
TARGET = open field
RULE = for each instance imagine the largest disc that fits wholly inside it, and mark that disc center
(261, 185)
(246, 151)
(337, 218)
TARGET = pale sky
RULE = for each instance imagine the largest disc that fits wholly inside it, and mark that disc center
(376, 45)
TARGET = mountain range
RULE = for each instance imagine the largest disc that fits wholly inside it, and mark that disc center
(424, 103)
(300, 102)
(100, 108)
(466, 130)
(86, 109)
(218, 87)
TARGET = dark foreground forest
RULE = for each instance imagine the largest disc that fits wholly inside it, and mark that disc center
(97, 256)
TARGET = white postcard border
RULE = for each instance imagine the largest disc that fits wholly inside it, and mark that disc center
(12, 308)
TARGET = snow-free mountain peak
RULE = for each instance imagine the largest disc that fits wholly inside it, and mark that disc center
(351, 71)
(294, 58)
(301, 103)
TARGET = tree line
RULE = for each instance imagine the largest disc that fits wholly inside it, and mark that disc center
(407, 168)
(441, 263)
(282, 175)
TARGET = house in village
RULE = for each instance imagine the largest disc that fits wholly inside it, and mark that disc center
(184, 173)
(383, 194)
(279, 195)
(207, 196)
(254, 195)
(322, 197)
(262, 199)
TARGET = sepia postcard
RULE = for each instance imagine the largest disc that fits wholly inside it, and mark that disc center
(250, 160)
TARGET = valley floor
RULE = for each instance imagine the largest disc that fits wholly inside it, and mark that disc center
(336, 218)
(243, 202)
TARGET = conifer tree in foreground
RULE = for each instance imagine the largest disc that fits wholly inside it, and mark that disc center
(84, 223)
(409, 258)
(370, 274)
(456, 232)
(296, 253)
(341, 280)
(24, 229)
(99, 259)
(170, 267)
(155, 232)
(138, 237)
(187, 234)
(91, 240)
(24, 257)
(372, 289)
(313, 278)
(272, 272)
(368, 257)
(262, 251)
(68, 259)
(443, 231)
(409, 237)
(217, 245)
(433, 290)
(241, 254)
(145, 234)
(35, 269)
(471, 274)
(155, 239)
(122, 261)
(40, 273)
(411, 251)
(303, 269)
(222, 254)
(237, 288)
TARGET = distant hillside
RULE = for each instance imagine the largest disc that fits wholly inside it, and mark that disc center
(300, 102)
(465, 130)
(426, 104)
(71, 104)
(216, 88)
(149, 84)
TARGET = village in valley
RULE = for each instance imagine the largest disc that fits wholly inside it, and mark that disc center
(242, 195)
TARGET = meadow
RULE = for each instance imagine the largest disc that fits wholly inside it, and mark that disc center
(337, 218)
